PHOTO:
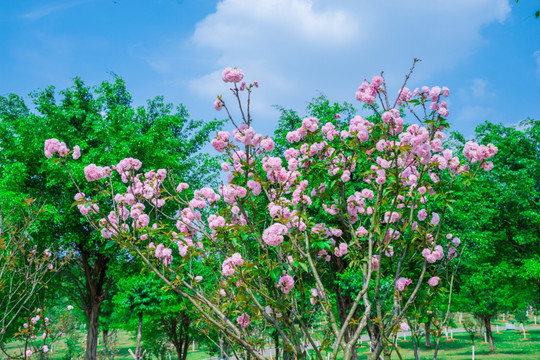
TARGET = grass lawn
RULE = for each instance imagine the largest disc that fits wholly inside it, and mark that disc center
(508, 345)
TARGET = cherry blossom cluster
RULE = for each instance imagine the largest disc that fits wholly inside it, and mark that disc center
(53, 146)
(37, 333)
(361, 190)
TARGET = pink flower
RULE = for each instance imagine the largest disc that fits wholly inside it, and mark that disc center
(361, 231)
(198, 278)
(487, 166)
(93, 172)
(70, 307)
(341, 250)
(28, 353)
(254, 186)
(422, 214)
(236, 259)
(142, 221)
(243, 320)
(267, 144)
(221, 141)
(273, 235)
(375, 262)
(51, 147)
(445, 91)
(181, 186)
(401, 283)
(232, 75)
(346, 177)
(286, 282)
(435, 219)
(456, 241)
(218, 104)
(45, 349)
(311, 124)
(76, 152)
(404, 326)
(434, 281)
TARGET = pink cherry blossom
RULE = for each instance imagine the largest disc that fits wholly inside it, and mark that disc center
(76, 152)
(286, 282)
(233, 75)
(218, 104)
(434, 281)
(404, 326)
(435, 219)
(401, 283)
(243, 320)
(273, 235)
(93, 172)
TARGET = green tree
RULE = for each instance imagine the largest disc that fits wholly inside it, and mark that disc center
(501, 220)
(104, 123)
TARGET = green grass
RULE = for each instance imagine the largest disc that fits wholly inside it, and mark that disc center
(508, 345)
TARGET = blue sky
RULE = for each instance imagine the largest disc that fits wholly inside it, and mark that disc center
(486, 51)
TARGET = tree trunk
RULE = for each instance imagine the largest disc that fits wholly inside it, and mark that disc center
(489, 334)
(276, 344)
(96, 286)
(416, 341)
(427, 327)
(138, 349)
(105, 337)
(92, 316)
(186, 348)
(348, 335)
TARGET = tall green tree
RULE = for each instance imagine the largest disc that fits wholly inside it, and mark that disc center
(106, 126)
(500, 220)
(161, 317)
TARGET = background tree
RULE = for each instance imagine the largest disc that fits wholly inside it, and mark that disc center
(104, 123)
(501, 222)
(25, 268)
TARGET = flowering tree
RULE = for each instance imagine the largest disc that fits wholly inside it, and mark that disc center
(105, 125)
(25, 270)
(276, 263)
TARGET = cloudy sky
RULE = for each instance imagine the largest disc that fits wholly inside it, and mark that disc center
(486, 51)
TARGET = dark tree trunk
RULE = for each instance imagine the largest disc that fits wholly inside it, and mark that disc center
(96, 286)
(105, 337)
(489, 334)
(276, 344)
(93, 333)
(427, 327)
(186, 347)
(178, 333)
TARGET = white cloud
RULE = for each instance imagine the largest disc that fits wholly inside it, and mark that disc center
(296, 48)
(238, 24)
(536, 56)
(470, 116)
(479, 90)
(323, 43)
(49, 9)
